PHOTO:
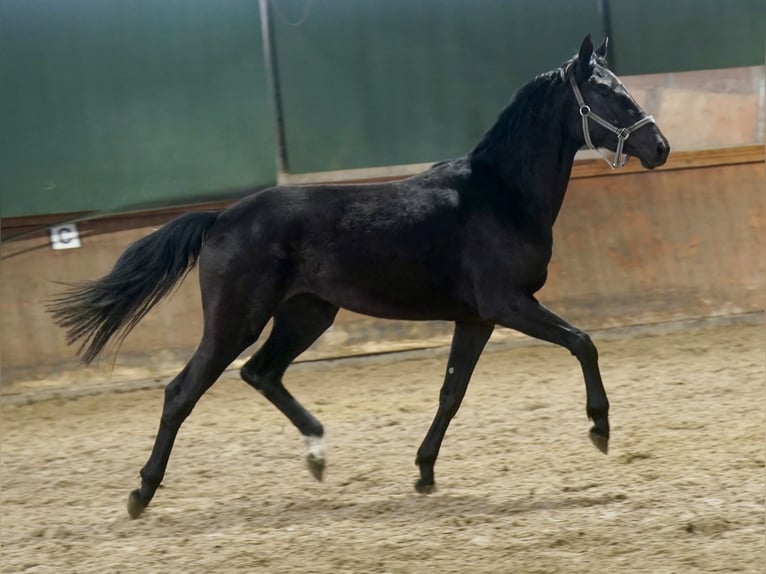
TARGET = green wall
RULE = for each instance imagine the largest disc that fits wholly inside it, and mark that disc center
(371, 82)
(115, 104)
(654, 36)
(127, 104)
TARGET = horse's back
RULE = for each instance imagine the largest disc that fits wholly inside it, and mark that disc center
(390, 216)
(389, 249)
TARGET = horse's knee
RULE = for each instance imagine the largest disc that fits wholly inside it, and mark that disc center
(583, 347)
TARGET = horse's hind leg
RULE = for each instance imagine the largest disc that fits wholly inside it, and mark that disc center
(297, 324)
(467, 344)
(227, 333)
(181, 395)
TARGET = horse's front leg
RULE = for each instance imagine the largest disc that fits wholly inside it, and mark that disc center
(527, 315)
(467, 344)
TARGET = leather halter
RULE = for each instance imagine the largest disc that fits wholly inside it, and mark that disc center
(622, 134)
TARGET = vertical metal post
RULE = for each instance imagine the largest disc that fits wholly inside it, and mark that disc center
(272, 78)
(606, 30)
(761, 106)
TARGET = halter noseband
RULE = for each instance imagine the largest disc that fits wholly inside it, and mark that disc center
(622, 134)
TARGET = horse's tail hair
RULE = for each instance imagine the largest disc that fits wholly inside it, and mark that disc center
(95, 311)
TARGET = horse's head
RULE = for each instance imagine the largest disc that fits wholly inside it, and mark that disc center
(608, 115)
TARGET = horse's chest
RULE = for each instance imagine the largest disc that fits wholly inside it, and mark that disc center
(513, 263)
(529, 267)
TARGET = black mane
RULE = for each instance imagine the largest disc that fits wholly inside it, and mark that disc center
(510, 128)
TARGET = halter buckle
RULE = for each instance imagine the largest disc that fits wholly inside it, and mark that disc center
(584, 110)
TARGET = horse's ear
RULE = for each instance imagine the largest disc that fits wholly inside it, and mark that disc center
(601, 50)
(583, 66)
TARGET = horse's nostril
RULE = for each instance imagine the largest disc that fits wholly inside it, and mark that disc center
(662, 149)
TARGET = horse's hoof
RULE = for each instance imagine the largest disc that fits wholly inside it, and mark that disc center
(135, 506)
(316, 466)
(424, 487)
(600, 441)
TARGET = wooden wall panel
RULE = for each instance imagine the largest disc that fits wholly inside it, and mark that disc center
(634, 248)
(648, 247)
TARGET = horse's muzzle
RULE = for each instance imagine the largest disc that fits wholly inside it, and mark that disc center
(662, 150)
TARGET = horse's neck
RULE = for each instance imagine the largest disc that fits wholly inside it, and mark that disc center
(544, 175)
(536, 167)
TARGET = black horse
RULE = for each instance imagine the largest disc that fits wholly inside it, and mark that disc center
(467, 241)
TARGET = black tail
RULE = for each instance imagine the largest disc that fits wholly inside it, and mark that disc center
(94, 311)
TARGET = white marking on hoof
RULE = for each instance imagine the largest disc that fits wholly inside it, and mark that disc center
(315, 459)
(315, 445)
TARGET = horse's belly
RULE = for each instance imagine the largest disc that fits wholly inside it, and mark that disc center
(404, 298)
(407, 311)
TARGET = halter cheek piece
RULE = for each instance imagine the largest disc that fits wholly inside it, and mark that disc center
(622, 134)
